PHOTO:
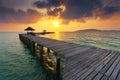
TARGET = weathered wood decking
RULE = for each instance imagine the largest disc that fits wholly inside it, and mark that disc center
(83, 62)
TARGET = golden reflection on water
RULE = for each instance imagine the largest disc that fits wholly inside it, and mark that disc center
(57, 35)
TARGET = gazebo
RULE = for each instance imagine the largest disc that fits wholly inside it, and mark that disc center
(29, 30)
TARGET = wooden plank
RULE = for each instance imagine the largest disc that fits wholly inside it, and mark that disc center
(115, 72)
(84, 64)
(104, 69)
(91, 62)
(96, 71)
(84, 56)
(73, 62)
(102, 62)
(78, 51)
(61, 46)
(110, 70)
(64, 48)
(118, 76)
(72, 51)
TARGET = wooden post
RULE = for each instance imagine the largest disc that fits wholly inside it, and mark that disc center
(33, 47)
(28, 43)
(48, 51)
(58, 67)
(41, 52)
(34, 51)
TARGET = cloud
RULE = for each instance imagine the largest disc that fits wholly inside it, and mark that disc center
(17, 4)
(110, 10)
(47, 3)
(112, 3)
(81, 9)
(76, 9)
(10, 15)
(54, 12)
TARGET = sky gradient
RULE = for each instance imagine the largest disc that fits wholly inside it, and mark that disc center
(69, 15)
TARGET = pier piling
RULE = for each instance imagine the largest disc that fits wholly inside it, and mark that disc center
(58, 67)
(41, 52)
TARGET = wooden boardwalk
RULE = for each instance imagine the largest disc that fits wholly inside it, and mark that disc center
(82, 62)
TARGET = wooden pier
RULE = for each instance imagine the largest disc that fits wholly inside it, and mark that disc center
(81, 62)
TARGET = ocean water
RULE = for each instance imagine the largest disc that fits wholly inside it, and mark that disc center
(18, 63)
(103, 39)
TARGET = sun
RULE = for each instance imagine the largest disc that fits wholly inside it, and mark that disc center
(56, 24)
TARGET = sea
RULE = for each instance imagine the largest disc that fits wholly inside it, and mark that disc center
(18, 63)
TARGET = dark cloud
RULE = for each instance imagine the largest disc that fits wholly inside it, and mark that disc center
(54, 12)
(113, 2)
(0, 3)
(17, 4)
(76, 9)
(47, 4)
(110, 10)
(10, 15)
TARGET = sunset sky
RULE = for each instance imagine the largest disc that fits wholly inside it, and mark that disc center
(59, 15)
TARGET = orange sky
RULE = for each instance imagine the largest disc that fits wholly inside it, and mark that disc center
(112, 23)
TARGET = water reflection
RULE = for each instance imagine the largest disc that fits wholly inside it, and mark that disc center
(57, 35)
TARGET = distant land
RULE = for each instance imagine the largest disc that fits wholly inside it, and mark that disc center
(95, 30)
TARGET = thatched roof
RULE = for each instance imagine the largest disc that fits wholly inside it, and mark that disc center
(29, 29)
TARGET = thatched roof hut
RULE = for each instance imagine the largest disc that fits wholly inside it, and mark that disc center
(29, 29)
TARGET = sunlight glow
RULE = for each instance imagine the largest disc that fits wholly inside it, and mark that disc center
(56, 24)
